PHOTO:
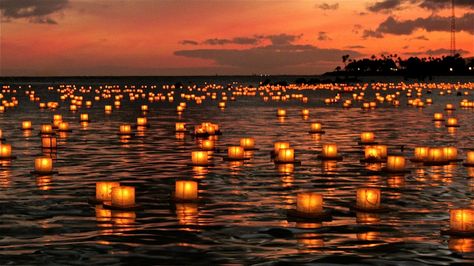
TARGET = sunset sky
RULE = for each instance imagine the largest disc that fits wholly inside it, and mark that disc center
(208, 37)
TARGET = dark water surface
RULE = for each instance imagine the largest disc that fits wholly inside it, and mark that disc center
(242, 216)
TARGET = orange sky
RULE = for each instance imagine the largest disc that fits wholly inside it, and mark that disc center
(142, 37)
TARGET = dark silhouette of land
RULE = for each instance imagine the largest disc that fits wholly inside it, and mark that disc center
(412, 67)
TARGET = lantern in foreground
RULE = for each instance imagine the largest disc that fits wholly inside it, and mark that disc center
(186, 190)
(247, 143)
(368, 199)
(435, 157)
(286, 155)
(5, 151)
(420, 153)
(26, 125)
(396, 163)
(329, 151)
(462, 220)
(367, 137)
(43, 165)
(309, 203)
(199, 158)
(450, 153)
(123, 197)
(235, 153)
(103, 190)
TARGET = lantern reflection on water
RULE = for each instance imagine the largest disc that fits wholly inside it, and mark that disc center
(187, 213)
(461, 245)
(368, 199)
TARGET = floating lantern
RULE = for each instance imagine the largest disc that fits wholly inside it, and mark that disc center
(221, 105)
(123, 197)
(125, 129)
(199, 158)
(48, 142)
(329, 152)
(235, 153)
(144, 108)
(43, 165)
(309, 203)
(26, 125)
(46, 129)
(84, 118)
(383, 150)
(207, 145)
(280, 145)
(63, 126)
(367, 137)
(108, 108)
(462, 220)
(73, 108)
(396, 163)
(186, 190)
(438, 117)
(368, 199)
(449, 107)
(316, 128)
(420, 154)
(180, 127)
(103, 190)
(281, 112)
(469, 159)
(435, 157)
(57, 117)
(452, 122)
(450, 153)
(373, 153)
(305, 112)
(5, 151)
(247, 143)
(142, 122)
(286, 155)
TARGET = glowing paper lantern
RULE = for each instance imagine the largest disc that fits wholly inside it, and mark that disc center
(395, 163)
(199, 158)
(438, 117)
(309, 203)
(281, 112)
(26, 125)
(367, 137)
(235, 152)
(286, 155)
(186, 190)
(123, 197)
(329, 151)
(421, 153)
(247, 143)
(368, 198)
(5, 151)
(103, 190)
(462, 220)
(180, 127)
(43, 165)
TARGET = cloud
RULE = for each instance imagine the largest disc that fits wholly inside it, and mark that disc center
(432, 23)
(32, 10)
(436, 52)
(323, 36)
(421, 38)
(355, 46)
(281, 55)
(188, 42)
(326, 6)
(389, 5)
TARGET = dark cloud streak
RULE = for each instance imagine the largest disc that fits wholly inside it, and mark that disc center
(34, 11)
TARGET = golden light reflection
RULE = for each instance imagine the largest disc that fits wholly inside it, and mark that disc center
(461, 245)
(43, 182)
(187, 213)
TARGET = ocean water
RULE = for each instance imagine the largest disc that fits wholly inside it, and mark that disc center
(241, 217)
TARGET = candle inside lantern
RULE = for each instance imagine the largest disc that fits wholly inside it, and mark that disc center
(43, 165)
(329, 151)
(123, 197)
(26, 125)
(438, 117)
(421, 153)
(199, 158)
(372, 153)
(103, 190)
(247, 143)
(281, 112)
(180, 127)
(309, 203)
(286, 155)
(186, 190)
(368, 198)
(5, 150)
(395, 163)
(462, 220)
(235, 152)
(367, 137)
